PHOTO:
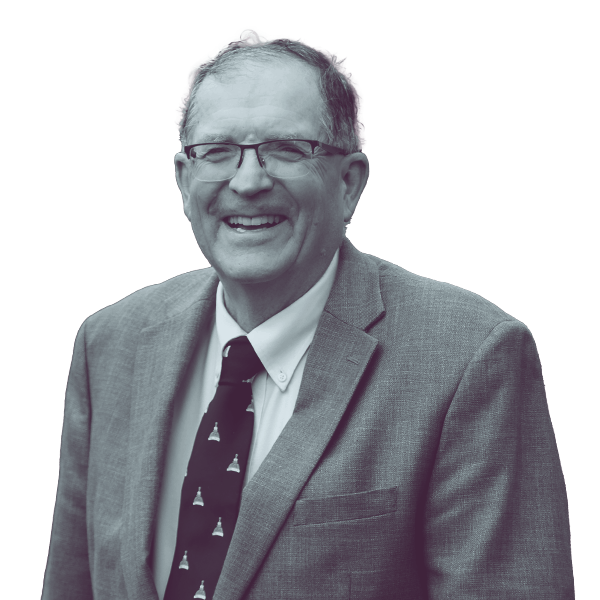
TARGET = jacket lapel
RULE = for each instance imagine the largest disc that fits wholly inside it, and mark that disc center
(163, 354)
(336, 361)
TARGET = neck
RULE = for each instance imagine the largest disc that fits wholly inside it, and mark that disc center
(253, 304)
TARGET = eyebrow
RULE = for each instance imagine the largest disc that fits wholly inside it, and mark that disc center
(214, 137)
(220, 137)
(284, 136)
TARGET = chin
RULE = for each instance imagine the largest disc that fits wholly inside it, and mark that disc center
(251, 274)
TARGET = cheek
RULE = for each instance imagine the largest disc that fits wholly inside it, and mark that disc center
(327, 179)
(326, 207)
(324, 224)
(203, 202)
(317, 196)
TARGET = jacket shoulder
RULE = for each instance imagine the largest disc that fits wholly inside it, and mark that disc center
(154, 303)
(430, 302)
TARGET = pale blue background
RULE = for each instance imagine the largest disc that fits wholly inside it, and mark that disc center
(499, 110)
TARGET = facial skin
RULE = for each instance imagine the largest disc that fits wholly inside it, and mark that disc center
(265, 270)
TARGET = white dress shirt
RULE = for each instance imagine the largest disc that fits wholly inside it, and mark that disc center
(281, 343)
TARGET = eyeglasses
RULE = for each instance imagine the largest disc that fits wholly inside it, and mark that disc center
(284, 159)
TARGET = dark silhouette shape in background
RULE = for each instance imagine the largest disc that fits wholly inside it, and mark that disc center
(122, 229)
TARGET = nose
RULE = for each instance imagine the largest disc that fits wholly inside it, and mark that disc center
(250, 178)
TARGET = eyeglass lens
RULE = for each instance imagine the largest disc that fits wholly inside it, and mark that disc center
(284, 159)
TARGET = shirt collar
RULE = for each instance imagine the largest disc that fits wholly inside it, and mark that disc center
(282, 340)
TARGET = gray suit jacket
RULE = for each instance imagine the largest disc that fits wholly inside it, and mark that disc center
(419, 463)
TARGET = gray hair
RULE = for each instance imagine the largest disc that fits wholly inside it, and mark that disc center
(340, 117)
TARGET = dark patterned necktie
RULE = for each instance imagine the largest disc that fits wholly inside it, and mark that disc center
(211, 491)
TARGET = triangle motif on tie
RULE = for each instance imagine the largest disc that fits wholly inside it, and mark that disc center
(200, 593)
(205, 533)
(214, 434)
(198, 501)
(218, 530)
(234, 466)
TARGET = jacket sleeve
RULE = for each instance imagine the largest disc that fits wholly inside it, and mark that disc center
(67, 571)
(496, 520)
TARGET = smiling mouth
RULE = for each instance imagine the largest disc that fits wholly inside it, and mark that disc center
(241, 224)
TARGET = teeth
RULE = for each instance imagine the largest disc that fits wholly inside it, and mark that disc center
(261, 220)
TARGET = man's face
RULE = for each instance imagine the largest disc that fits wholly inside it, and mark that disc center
(254, 103)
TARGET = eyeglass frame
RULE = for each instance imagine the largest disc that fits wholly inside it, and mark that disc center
(243, 147)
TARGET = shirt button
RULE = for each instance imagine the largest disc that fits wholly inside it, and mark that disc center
(282, 376)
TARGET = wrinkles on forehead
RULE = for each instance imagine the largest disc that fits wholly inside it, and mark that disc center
(243, 83)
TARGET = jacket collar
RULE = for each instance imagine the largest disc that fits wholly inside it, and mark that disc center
(356, 297)
(336, 362)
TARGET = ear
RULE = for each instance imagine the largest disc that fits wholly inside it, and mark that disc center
(182, 175)
(355, 173)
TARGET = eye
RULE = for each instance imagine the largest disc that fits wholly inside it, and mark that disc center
(214, 152)
(288, 151)
(289, 148)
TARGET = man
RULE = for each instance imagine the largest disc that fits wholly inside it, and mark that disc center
(392, 438)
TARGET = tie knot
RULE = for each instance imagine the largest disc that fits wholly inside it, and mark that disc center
(241, 362)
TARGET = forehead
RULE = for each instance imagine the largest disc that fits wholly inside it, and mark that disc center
(256, 100)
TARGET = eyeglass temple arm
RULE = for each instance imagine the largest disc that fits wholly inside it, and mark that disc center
(331, 149)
